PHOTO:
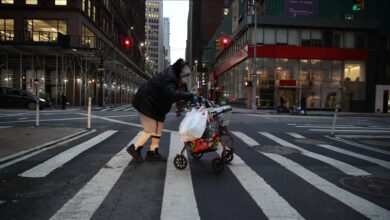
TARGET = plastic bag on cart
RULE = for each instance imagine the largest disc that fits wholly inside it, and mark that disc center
(193, 125)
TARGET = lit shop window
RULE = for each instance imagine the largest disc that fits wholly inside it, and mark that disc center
(354, 72)
(7, 1)
(6, 29)
(31, 2)
(60, 2)
(88, 38)
(45, 30)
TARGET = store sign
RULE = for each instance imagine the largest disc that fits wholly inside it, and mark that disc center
(295, 8)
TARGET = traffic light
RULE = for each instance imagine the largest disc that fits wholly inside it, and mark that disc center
(127, 43)
(358, 5)
(248, 83)
(222, 43)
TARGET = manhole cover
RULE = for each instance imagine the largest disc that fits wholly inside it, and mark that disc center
(370, 185)
(276, 149)
(309, 141)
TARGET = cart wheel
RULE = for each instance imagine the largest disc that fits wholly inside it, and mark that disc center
(227, 155)
(197, 155)
(180, 162)
(218, 165)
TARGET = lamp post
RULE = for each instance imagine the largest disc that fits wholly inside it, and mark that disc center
(254, 75)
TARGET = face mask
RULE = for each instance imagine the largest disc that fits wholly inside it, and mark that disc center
(185, 71)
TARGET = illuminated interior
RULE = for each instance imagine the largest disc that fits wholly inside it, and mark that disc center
(45, 30)
(353, 72)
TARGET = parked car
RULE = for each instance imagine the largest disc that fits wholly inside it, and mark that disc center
(17, 98)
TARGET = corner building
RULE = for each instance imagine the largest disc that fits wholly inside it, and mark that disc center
(320, 52)
(73, 47)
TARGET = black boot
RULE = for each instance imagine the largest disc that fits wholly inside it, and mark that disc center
(135, 153)
(154, 156)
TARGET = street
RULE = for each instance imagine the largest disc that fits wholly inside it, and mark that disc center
(284, 167)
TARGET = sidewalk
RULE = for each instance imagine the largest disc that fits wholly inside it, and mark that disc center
(24, 140)
(309, 113)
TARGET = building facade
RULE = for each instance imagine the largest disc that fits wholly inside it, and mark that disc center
(74, 48)
(167, 47)
(318, 53)
(154, 25)
(203, 20)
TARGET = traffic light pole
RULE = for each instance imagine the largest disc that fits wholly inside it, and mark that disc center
(254, 75)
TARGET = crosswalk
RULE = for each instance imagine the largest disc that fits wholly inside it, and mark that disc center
(120, 109)
(252, 169)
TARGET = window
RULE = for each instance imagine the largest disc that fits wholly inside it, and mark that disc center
(349, 40)
(354, 71)
(60, 2)
(338, 39)
(88, 38)
(269, 36)
(281, 36)
(44, 30)
(360, 40)
(31, 2)
(293, 37)
(6, 29)
(305, 38)
(316, 38)
(7, 1)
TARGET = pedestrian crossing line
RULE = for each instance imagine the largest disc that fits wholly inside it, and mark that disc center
(340, 127)
(365, 207)
(179, 200)
(248, 140)
(4, 127)
(128, 109)
(269, 201)
(364, 136)
(48, 166)
(84, 204)
(350, 131)
(353, 154)
(39, 149)
(117, 109)
(295, 135)
(359, 145)
(106, 109)
(343, 167)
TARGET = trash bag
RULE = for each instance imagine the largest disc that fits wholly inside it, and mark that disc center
(193, 125)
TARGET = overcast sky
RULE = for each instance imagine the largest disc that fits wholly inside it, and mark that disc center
(177, 11)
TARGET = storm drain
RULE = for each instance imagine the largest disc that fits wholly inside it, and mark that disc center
(367, 184)
(276, 149)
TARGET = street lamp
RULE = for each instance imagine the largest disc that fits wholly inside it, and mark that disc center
(254, 74)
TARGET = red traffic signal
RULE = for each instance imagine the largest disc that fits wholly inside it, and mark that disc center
(222, 43)
(128, 42)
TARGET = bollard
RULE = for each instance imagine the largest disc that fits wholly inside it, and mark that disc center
(37, 114)
(89, 113)
(334, 120)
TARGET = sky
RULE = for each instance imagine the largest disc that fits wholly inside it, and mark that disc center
(177, 11)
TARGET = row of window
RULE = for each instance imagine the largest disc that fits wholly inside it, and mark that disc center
(35, 2)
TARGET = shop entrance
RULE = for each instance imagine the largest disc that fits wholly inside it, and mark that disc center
(289, 95)
(386, 101)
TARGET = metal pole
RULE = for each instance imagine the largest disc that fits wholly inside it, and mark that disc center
(89, 113)
(37, 113)
(254, 76)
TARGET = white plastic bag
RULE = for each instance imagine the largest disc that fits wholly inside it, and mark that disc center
(193, 125)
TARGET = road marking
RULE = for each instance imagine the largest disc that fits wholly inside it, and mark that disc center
(359, 145)
(179, 200)
(295, 135)
(361, 205)
(22, 155)
(122, 122)
(340, 127)
(350, 131)
(68, 119)
(5, 127)
(48, 166)
(23, 118)
(84, 204)
(245, 138)
(353, 154)
(128, 109)
(363, 136)
(344, 167)
(269, 201)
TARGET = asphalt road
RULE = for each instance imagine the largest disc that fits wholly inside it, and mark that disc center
(284, 166)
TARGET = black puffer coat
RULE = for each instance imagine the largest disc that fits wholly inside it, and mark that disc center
(155, 97)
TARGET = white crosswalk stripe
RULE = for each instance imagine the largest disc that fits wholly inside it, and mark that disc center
(179, 197)
(84, 204)
(363, 206)
(48, 166)
(344, 167)
(179, 200)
